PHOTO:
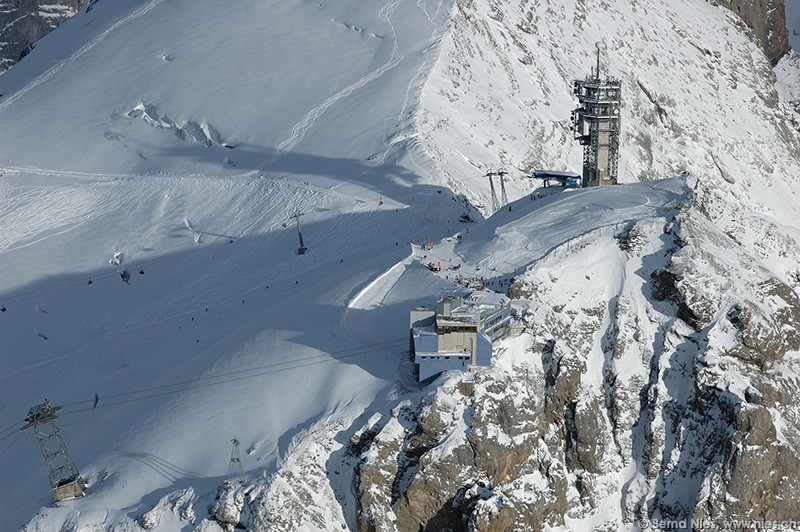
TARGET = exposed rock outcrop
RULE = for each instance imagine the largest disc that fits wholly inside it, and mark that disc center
(24, 22)
(767, 20)
(460, 458)
(656, 399)
(229, 505)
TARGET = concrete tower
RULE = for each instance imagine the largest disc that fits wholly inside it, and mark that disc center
(596, 126)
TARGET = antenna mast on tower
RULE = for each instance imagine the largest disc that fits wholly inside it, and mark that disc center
(599, 45)
(595, 125)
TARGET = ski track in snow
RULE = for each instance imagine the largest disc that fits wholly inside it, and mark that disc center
(83, 49)
(300, 130)
(404, 117)
(105, 176)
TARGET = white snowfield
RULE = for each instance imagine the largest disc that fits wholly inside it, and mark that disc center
(174, 141)
(531, 227)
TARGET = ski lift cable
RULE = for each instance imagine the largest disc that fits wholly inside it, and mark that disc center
(99, 275)
(320, 357)
(250, 375)
(219, 379)
(29, 295)
(114, 271)
(12, 433)
(173, 315)
(10, 429)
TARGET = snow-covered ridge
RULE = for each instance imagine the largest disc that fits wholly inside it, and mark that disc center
(658, 370)
(503, 89)
(654, 348)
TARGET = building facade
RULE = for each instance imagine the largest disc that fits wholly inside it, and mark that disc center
(458, 332)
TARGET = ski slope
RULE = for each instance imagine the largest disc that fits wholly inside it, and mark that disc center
(527, 230)
(190, 176)
(176, 140)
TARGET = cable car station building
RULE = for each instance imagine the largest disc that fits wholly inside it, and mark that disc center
(458, 332)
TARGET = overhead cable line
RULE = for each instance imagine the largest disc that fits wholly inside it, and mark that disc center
(230, 376)
(218, 379)
(11, 429)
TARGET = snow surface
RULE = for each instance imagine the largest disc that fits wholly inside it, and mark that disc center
(260, 339)
(793, 22)
(180, 137)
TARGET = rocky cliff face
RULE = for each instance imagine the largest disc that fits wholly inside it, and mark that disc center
(767, 20)
(658, 385)
(24, 22)
(656, 377)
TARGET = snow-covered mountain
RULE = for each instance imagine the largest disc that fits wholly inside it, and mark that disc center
(177, 141)
(23, 22)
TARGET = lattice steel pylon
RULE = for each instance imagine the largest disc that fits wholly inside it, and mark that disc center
(503, 196)
(302, 249)
(495, 204)
(65, 480)
(235, 467)
(500, 175)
